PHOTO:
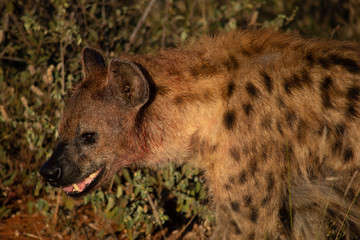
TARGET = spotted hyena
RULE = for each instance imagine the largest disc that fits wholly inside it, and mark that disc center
(272, 119)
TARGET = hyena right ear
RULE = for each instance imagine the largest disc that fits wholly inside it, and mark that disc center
(128, 80)
(93, 63)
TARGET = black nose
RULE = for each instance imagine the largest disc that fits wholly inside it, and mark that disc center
(50, 173)
(52, 170)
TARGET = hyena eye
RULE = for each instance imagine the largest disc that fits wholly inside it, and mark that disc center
(88, 138)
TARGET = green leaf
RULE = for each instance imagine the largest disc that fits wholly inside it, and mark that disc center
(30, 206)
(10, 181)
(126, 175)
(4, 211)
(69, 203)
(110, 205)
(119, 191)
(38, 187)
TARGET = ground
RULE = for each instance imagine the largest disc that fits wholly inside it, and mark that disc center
(86, 225)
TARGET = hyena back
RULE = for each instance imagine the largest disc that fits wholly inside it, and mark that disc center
(273, 119)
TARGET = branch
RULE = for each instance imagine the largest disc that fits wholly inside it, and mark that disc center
(139, 25)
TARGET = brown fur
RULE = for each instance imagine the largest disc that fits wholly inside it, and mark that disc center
(273, 119)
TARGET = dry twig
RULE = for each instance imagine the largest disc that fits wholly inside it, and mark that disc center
(139, 25)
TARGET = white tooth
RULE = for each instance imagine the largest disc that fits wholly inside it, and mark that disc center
(93, 174)
(76, 187)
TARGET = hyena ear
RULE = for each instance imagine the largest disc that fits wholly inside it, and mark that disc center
(93, 63)
(127, 78)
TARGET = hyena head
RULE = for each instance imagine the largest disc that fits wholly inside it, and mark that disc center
(98, 132)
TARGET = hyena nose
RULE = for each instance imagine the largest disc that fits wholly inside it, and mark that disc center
(50, 174)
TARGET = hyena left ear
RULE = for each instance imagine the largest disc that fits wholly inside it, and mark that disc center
(93, 63)
(127, 78)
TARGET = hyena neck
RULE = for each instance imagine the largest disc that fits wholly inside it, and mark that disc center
(183, 110)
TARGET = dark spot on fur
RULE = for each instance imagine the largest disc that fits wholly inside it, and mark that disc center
(247, 107)
(349, 64)
(212, 148)
(235, 206)
(230, 89)
(266, 122)
(327, 83)
(284, 216)
(325, 97)
(256, 47)
(246, 150)
(247, 200)
(287, 86)
(229, 119)
(254, 214)
(281, 103)
(279, 127)
(336, 146)
(202, 146)
(208, 96)
(265, 200)
(224, 208)
(162, 90)
(270, 180)
(290, 118)
(235, 154)
(310, 58)
(297, 81)
(178, 100)
(245, 52)
(305, 77)
(236, 227)
(339, 130)
(351, 111)
(288, 152)
(232, 180)
(251, 89)
(353, 93)
(325, 63)
(324, 89)
(348, 154)
(242, 177)
(205, 146)
(251, 236)
(231, 63)
(227, 186)
(301, 131)
(267, 82)
(290, 83)
(253, 166)
(264, 154)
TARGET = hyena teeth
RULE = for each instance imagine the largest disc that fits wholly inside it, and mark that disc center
(76, 187)
(93, 175)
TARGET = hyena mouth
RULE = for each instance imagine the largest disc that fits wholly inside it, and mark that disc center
(82, 188)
